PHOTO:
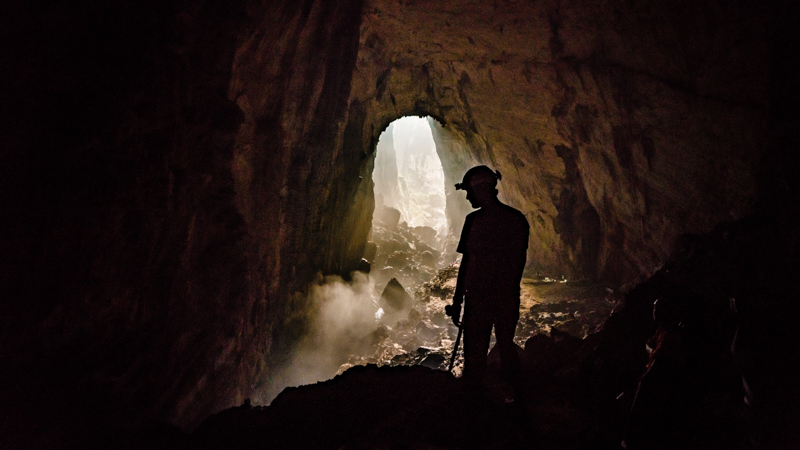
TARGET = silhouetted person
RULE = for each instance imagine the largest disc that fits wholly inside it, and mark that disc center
(494, 245)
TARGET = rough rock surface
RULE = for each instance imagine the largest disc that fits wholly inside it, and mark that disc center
(604, 117)
(154, 253)
(175, 174)
(394, 298)
(424, 335)
(578, 391)
(401, 252)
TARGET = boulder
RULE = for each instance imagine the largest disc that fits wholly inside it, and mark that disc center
(394, 298)
(428, 259)
(425, 234)
(398, 259)
(370, 249)
(434, 361)
(387, 216)
(364, 266)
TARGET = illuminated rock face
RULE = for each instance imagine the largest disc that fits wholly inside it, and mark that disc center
(408, 174)
(605, 120)
(177, 177)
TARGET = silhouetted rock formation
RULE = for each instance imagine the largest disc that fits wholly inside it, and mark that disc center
(394, 298)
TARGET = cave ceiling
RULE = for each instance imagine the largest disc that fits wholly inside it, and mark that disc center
(616, 127)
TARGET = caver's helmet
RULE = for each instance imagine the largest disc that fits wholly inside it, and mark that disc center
(479, 177)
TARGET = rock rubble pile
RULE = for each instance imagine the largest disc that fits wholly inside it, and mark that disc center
(426, 336)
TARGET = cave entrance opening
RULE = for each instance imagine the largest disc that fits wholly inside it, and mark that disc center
(372, 319)
(409, 226)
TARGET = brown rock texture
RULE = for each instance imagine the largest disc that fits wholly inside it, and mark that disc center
(153, 263)
(175, 176)
(605, 118)
(294, 167)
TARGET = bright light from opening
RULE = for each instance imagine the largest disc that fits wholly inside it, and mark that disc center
(408, 174)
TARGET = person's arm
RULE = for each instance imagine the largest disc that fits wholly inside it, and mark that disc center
(458, 297)
(520, 257)
(454, 310)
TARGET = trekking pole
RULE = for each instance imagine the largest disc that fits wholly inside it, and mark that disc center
(455, 348)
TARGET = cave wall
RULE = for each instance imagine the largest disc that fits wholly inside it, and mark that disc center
(175, 175)
(384, 174)
(151, 259)
(295, 168)
(125, 287)
(605, 118)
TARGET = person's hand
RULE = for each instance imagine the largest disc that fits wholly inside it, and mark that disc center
(454, 311)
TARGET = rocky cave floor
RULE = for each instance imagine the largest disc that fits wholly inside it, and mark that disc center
(426, 336)
(577, 396)
(413, 329)
(402, 396)
(582, 351)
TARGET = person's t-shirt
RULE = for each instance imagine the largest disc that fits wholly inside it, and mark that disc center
(496, 242)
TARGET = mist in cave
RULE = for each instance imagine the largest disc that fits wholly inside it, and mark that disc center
(364, 320)
(340, 324)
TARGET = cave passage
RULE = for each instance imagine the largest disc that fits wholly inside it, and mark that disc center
(409, 224)
(376, 319)
(408, 174)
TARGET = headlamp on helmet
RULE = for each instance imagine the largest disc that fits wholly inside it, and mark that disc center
(479, 177)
